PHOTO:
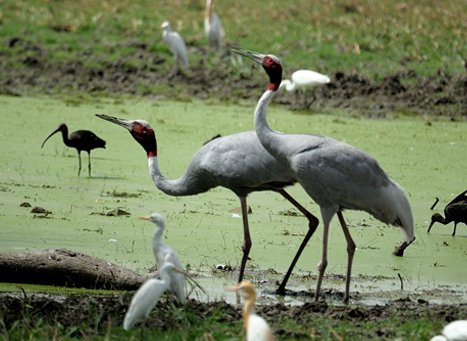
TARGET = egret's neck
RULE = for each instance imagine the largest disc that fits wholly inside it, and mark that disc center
(158, 234)
(248, 309)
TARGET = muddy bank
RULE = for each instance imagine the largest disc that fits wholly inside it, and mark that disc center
(97, 311)
(26, 68)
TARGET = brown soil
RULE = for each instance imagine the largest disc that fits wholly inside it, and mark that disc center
(96, 311)
(137, 74)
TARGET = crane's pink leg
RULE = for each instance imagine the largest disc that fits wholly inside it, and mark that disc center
(350, 252)
(246, 238)
(324, 258)
(312, 225)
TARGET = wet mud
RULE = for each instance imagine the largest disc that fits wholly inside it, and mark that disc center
(145, 73)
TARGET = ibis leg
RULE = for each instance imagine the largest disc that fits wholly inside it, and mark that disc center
(79, 162)
(89, 164)
(312, 225)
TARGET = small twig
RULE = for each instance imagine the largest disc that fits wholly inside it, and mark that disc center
(402, 282)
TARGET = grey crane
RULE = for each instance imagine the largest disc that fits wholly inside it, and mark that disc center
(237, 162)
(455, 211)
(335, 175)
(213, 27)
(80, 140)
(176, 45)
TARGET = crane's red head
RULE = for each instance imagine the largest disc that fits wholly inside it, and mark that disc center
(139, 129)
(270, 63)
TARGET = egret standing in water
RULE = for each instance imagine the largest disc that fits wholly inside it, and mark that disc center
(334, 174)
(176, 45)
(165, 254)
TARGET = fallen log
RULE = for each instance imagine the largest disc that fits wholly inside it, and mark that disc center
(61, 267)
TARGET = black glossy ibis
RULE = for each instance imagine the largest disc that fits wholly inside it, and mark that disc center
(81, 140)
(455, 211)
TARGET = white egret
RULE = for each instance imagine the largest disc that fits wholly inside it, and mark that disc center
(303, 79)
(213, 27)
(176, 45)
(454, 331)
(334, 174)
(257, 329)
(148, 295)
(165, 254)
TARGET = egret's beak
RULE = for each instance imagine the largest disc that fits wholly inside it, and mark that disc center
(127, 124)
(146, 217)
(55, 131)
(180, 271)
(255, 56)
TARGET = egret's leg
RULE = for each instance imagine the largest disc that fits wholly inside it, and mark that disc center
(79, 162)
(324, 258)
(312, 225)
(350, 253)
(246, 238)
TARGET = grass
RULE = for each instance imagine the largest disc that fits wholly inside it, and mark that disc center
(363, 36)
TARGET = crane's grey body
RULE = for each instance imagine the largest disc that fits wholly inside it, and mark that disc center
(237, 162)
(336, 175)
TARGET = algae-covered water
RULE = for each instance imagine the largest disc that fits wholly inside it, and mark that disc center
(427, 158)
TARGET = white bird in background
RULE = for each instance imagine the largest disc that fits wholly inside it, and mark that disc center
(176, 45)
(147, 296)
(257, 329)
(335, 175)
(213, 27)
(165, 254)
(303, 79)
(238, 162)
(454, 331)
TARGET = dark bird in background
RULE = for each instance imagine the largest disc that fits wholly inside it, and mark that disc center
(455, 211)
(237, 162)
(81, 140)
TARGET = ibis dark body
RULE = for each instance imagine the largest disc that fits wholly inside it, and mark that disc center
(455, 211)
(81, 140)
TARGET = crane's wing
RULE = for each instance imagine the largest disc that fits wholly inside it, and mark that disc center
(144, 300)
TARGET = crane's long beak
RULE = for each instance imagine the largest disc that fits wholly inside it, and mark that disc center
(127, 124)
(55, 131)
(255, 56)
(146, 217)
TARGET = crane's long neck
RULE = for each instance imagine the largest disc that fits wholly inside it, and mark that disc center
(270, 139)
(177, 187)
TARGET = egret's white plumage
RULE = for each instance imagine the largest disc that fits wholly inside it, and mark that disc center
(302, 79)
(147, 296)
(257, 329)
(176, 45)
(166, 254)
(335, 175)
(454, 331)
(238, 162)
(213, 27)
